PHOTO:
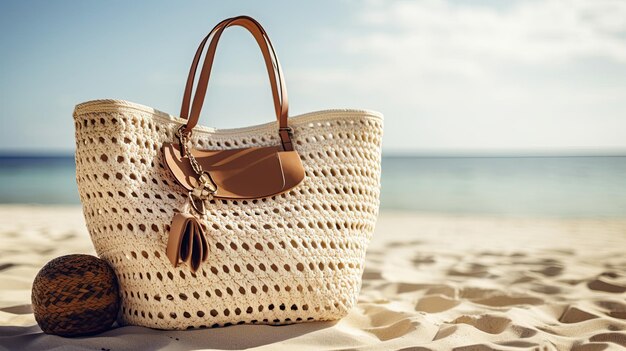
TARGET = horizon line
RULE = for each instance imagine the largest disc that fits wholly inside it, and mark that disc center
(470, 153)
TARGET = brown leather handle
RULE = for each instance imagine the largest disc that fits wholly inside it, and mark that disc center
(184, 110)
(184, 113)
(281, 104)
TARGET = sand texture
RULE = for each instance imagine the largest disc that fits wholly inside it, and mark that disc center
(430, 283)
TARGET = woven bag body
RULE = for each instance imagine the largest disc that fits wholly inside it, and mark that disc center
(203, 227)
(293, 257)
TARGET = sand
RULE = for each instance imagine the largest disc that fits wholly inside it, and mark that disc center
(431, 282)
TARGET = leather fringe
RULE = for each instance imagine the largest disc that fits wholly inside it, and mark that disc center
(186, 242)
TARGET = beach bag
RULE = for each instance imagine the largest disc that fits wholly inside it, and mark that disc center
(205, 227)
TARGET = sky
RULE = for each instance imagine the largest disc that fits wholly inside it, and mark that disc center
(450, 77)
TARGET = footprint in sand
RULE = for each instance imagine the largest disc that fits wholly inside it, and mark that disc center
(614, 309)
(590, 347)
(402, 288)
(601, 284)
(381, 316)
(446, 290)
(475, 293)
(436, 303)
(388, 324)
(550, 271)
(618, 314)
(487, 323)
(476, 270)
(370, 274)
(611, 274)
(393, 331)
(404, 244)
(575, 315)
(519, 343)
(505, 300)
(4, 266)
(546, 289)
(499, 254)
(617, 338)
(445, 331)
(523, 332)
(422, 260)
(567, 252)
(490, 323)
(495, 298)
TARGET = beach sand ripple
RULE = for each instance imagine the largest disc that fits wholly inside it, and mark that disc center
(430, 283)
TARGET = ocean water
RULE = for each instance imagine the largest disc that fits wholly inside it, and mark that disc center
(512, 186)
(588, 187)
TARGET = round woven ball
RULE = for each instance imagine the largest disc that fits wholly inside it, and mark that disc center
(75, 295)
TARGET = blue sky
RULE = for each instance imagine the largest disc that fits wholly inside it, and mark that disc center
(450, 76)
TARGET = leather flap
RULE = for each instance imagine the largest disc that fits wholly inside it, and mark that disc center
(247, 173)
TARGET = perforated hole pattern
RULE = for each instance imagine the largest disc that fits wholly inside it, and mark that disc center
(289, 258)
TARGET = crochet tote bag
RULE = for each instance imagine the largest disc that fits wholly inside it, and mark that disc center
(266, 224)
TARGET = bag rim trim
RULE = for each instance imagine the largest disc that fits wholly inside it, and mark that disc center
(105, 105)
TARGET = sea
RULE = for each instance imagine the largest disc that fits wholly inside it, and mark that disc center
(563, 187)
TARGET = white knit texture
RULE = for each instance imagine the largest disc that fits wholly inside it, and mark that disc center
(293, 257)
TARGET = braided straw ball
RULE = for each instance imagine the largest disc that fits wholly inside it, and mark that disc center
(75, 295)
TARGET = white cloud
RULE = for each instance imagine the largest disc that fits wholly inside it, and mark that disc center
(530, 31)
(457, 75)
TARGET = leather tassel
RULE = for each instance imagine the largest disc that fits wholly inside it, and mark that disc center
(186, 242)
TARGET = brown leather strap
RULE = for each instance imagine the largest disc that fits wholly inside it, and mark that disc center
(281, 103)
(190, 79)
(184, 110)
